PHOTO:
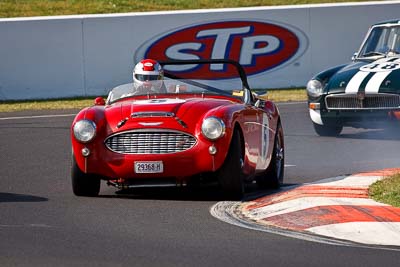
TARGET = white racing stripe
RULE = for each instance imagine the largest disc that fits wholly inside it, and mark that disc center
(375, 82)
(354, 84)
(379, 77)
(380, 70)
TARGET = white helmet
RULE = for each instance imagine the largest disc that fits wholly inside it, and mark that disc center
(148, 74)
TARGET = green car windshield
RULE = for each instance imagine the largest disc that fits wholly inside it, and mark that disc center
(382, 40)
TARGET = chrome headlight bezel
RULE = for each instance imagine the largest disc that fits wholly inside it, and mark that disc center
(314, 88)
(213, 128)
(84, 130)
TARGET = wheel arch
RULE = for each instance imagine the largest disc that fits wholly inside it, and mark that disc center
(238, 128)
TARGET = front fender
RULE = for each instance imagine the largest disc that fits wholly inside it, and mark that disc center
(325, 75)
(232, 116)
(95, 114)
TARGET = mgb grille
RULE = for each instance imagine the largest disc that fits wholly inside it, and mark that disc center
(150, 142)
(362, 101)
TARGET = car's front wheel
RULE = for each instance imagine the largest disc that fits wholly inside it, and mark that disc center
(83, 184)
(231, 173)
(273, 176)
(328, 130)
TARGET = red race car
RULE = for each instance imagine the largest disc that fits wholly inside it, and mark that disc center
(167, 128)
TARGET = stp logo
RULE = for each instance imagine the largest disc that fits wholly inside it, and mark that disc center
(257, 46)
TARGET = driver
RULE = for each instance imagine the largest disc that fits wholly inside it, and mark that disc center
(148, 77)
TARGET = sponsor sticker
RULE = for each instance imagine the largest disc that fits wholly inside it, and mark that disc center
(258, 46)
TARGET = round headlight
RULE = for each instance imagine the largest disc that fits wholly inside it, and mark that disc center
(213, 128)
(84, 130)
(314, 88)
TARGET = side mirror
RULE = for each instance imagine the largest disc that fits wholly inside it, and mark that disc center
(354, 56)
(259, 103)
(263, 96)
(99, 101)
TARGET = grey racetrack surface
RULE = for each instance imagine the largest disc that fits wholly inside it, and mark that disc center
(43, 224)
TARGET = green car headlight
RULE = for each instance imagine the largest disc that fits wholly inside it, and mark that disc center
(314, 88)
(213, 128)
(84, 130)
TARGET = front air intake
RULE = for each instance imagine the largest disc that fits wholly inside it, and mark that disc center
(150, 142)
(364, 101)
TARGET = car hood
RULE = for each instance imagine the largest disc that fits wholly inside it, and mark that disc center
(171, 113)
(379, 76)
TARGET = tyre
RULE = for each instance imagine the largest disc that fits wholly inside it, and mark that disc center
(231, 173)
(328, 130)
(83, 184)
(273, 175)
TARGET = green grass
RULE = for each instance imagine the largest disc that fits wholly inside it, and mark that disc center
(387, 190)
(12, 106)
(28, 8)
(287, 95)
(78, 103)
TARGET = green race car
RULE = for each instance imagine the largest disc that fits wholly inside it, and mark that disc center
(364, 93)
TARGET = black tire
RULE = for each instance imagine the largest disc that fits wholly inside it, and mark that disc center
(328, 130)
(83, 184)
(273, 175)
(231, 173)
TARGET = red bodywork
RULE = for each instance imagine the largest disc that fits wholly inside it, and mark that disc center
(189, 109)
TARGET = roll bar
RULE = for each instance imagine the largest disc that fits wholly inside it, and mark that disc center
(239, 68)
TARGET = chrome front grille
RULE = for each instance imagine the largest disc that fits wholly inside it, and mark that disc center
(150, 142)
(362, 101)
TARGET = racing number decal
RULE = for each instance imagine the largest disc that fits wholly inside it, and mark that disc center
(375, 72)
(377, 67)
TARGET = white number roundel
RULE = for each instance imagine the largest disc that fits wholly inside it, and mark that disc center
(380, 67)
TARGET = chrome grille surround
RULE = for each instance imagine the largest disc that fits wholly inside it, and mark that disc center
(150, 141)
(365, 101)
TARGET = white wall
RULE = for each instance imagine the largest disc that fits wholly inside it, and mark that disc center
(49, 57)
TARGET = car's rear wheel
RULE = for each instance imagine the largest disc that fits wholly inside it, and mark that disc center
(231, 173)
(328, 130)
(83, 184)
(273, 175)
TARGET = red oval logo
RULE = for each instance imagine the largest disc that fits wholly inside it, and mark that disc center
(257, 46)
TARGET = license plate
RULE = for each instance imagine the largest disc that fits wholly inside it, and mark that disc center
(149, 167)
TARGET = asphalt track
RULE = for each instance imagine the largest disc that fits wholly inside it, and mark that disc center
(43, 224)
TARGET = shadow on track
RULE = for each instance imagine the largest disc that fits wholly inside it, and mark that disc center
(200, 193)
(9, 197)
(211, 193)
(380, 134)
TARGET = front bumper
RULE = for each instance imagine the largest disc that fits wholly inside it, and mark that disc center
(364, 118)
(355, 109)
(110, 165)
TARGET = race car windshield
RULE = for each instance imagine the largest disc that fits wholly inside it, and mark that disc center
(197, 78)
(381, 41)
(177, 87)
